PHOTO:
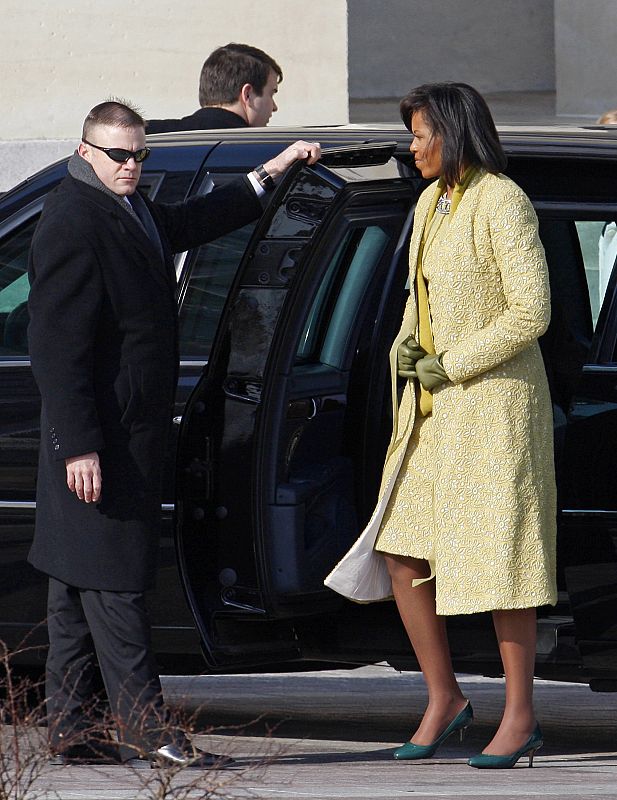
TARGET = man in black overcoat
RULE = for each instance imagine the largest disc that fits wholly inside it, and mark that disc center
(104, 352)
(237, 85)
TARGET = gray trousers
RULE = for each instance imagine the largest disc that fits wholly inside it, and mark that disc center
(86, 626)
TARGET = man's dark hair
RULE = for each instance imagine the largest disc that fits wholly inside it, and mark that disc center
(228, 68)
(115, 113)
(459, 115)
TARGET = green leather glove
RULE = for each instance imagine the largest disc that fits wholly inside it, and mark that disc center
(407, 354)
(430, 372)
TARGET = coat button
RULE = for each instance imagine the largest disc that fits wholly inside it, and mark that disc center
(56, 447)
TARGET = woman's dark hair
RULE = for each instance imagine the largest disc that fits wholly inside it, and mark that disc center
(459, 115)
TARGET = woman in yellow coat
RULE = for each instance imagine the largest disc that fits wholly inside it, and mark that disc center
(467, 510)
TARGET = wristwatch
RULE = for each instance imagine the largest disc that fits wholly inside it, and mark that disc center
(266, 180)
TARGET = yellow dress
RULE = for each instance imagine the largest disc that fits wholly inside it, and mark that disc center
(475, 492)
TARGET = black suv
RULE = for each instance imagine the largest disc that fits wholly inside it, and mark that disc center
(283, 413)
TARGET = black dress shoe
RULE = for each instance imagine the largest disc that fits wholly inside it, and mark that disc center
(169, 755)
(86, 753)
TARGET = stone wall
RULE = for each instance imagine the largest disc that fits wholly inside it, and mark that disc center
(61, 57)
(585, 36)
(495, 45)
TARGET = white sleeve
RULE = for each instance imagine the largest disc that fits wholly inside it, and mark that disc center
(259, 189)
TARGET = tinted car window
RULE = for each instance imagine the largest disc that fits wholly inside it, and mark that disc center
(598, 240)
(332, 315)
(578, 261)
(603, 245)
(14, 288)
(209, 275)
(14, 285)
(212, 271)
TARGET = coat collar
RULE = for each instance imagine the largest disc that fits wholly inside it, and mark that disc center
(421, 215)
(206, 118)
(128, 225)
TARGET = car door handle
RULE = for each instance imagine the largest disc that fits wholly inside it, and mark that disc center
(306, 408)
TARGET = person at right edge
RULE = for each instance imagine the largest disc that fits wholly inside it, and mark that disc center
(470, 523)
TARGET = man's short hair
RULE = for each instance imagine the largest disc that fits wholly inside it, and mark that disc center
(115, 113)
(228, 68)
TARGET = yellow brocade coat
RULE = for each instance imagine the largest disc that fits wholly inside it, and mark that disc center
(487, 521)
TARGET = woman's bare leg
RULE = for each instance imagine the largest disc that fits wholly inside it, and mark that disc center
(516, 635)
(428, 637)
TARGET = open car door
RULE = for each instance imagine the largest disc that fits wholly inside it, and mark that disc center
(283, 439)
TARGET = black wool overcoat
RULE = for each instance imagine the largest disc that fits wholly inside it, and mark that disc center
(104, 351)
(203, 119)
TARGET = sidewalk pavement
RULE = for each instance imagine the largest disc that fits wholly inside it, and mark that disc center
(377, 703)
(367, 711)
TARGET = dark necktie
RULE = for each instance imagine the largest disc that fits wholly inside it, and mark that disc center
(144, 216)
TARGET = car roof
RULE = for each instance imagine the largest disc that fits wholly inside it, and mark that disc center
(523, 142)
(592, 141)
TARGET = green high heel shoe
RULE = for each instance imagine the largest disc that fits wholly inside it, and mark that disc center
(410, 751)
(486, 761)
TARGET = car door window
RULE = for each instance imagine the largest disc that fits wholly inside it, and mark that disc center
(578, 252)
(208, 276)
(14, 288)
(330, 320)
(598, 241)
(14, 284)
(212, 270)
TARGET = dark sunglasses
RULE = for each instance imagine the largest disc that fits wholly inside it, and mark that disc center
(121, 156)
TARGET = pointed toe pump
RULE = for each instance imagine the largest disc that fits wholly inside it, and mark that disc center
(486, 761)
(411, 752)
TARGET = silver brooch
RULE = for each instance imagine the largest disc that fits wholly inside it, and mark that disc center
(443, 204)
